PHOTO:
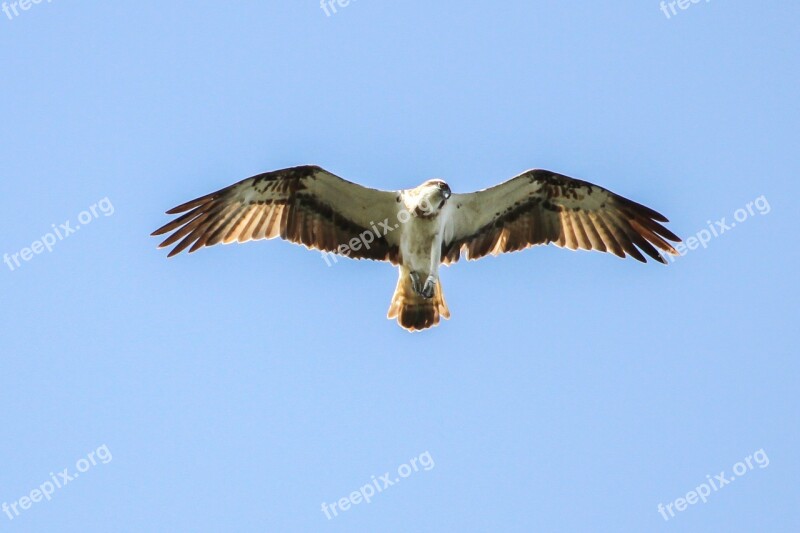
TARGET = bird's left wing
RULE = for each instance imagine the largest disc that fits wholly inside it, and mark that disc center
(306, 205)
(541, 207)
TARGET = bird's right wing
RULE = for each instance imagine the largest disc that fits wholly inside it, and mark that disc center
(306, 205)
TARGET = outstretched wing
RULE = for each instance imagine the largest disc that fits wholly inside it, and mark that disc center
(542, 207)
(306, 205)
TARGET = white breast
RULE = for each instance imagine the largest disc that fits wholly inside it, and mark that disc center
(420, 242)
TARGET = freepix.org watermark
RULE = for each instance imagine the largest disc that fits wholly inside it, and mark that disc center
(58, 234)
(12, 9)
(669, 7)
(704, 490)
(719, 227)
(329, 6)
(366, 238)
(46, 490)
(378, 484)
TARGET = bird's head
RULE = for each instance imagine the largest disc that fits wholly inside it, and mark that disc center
(431, 196)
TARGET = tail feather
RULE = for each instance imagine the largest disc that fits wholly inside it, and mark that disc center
(413, 312)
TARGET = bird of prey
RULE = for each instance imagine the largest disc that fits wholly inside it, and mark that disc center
(421, 228)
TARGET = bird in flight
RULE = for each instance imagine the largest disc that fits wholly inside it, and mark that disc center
(419, 229)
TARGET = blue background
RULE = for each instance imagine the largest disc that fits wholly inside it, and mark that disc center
(242, 386)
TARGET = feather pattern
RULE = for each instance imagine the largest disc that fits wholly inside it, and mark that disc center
(305, 205)
(542, 207)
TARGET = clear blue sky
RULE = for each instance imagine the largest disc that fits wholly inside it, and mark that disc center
(239, 388)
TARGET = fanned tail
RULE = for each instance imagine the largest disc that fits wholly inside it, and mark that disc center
(413, 312)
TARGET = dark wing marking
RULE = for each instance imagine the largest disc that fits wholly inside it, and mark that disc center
(306, 205)
(542, 207)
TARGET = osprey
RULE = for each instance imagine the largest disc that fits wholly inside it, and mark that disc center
(419, 229)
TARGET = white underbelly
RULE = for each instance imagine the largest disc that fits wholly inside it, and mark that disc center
(419, 240)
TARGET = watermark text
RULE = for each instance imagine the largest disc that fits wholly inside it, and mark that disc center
(366, 492)
(704, 490)
(58, 233)
(45, 491)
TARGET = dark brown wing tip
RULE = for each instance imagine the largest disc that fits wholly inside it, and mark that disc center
(191, 204)
(175, 224)
(655, 215)
(187, 206)
(642, 259)
(166, 228)
(668, 234)
(643, 210)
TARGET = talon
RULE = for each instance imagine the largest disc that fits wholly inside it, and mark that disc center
(427, 290)
(415, 283)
